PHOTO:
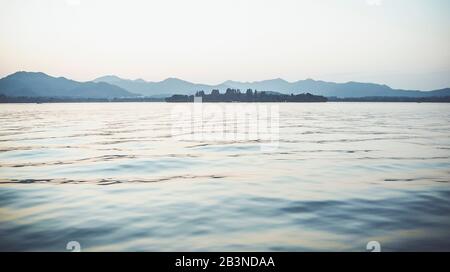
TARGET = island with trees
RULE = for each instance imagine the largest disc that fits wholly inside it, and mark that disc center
(235, 95)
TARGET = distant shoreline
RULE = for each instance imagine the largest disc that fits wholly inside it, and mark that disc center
(189, 99)
(341, 100)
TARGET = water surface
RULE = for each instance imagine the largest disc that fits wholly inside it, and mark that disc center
(112, 177)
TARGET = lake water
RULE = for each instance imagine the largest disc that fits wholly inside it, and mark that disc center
(113, 177)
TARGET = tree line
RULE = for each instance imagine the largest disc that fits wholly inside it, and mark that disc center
(235, 95)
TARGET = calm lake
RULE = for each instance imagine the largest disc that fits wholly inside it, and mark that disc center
(113, 177)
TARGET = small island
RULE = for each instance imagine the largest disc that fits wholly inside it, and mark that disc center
(235, 95)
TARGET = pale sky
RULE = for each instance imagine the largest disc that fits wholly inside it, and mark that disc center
(402, 43)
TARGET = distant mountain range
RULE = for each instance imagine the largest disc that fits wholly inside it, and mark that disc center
(163, 88)
(37, 84)
(172, 86)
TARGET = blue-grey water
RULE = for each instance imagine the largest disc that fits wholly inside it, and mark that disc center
(112, 177)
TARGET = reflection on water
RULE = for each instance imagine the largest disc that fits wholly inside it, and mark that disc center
(111, 177)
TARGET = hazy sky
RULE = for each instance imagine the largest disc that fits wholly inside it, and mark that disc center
(403, 43)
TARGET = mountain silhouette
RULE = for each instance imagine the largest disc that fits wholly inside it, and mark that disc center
(37, 84)
(163, 88)
(351, 89)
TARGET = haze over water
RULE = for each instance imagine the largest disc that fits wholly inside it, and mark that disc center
(112, 177)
